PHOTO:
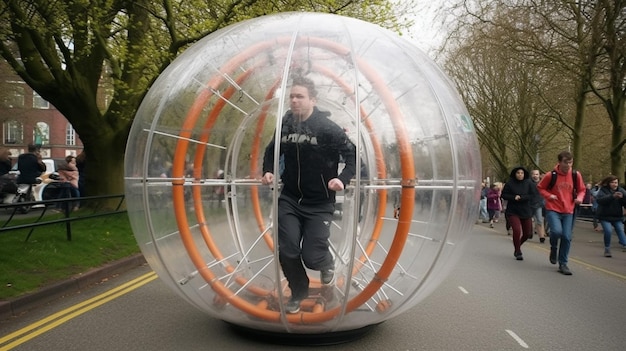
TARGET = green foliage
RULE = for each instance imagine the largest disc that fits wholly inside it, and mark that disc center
(75, 52)
(48, 256)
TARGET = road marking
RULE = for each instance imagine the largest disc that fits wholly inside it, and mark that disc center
(517, 338)
(33, 330)
(588, 265)
(463, 290)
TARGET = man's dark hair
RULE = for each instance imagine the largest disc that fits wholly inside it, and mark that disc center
(565, 155)
(32, 148)
(307, 83)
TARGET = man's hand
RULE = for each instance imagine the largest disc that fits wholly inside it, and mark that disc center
(335, 184)
(268, 178)
(577, 202)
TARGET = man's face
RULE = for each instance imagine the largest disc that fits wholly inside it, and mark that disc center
(519, 174)
(565, 165)
(300, 102)
(534, 174)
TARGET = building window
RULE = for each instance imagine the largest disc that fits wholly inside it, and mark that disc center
(41, 134)
(70, 135)
(39, 102)
(13, 132)
(45, 153)
(14, 97)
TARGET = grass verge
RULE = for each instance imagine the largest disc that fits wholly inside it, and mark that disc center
(48, 256)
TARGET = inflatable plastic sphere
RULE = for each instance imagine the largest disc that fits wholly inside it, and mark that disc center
(207, 225)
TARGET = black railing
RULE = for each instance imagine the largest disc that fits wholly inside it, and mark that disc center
(65, 206)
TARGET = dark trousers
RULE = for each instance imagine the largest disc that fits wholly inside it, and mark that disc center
(522, 230)
(303, 233)
(66, 190)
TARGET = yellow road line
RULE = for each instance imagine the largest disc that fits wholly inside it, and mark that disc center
(583, 263)
(586, 264)
(33, 330)
(590, 266)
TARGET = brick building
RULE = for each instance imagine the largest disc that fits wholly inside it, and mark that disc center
(27, 118)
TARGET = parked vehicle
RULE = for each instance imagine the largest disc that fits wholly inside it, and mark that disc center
(25, 193)
(8, 188)
(45, 178)
(14, 193)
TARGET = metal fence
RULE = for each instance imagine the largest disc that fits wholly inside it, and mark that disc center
(37, 219)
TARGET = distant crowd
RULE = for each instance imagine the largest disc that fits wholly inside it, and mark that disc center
(547, 205)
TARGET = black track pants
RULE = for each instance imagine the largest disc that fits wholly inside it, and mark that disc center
(303, 231)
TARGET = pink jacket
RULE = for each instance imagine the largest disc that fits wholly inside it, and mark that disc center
(563, 189)
(69, 175)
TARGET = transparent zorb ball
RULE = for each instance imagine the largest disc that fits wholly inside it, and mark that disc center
(206, 224)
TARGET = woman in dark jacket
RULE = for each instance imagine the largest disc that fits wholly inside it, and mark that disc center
(519, 191)
(611, 199)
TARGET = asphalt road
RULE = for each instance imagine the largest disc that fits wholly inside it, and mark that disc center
(490, 301)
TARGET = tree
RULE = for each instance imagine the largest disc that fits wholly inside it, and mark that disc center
(609, 84)
(71, 51)
(500, 92)
(558, 39)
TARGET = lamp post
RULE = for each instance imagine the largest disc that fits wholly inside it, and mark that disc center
(537, 140)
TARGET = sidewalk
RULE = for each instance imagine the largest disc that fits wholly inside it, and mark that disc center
(587, 248)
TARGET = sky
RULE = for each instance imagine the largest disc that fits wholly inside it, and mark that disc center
(427, 32)
(423, 32)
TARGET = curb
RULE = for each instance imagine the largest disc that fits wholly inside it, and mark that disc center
(76, 283)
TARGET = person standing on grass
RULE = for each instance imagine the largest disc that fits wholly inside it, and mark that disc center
(68, 174)
(30, 165)
(81, 165)
(7, 184)
(611, 200)
(560, 206)
(5, 161)
(519, 192)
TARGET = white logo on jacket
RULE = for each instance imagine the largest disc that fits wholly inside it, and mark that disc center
(299, 139)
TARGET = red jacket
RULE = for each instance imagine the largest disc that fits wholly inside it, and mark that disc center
(563, 189)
